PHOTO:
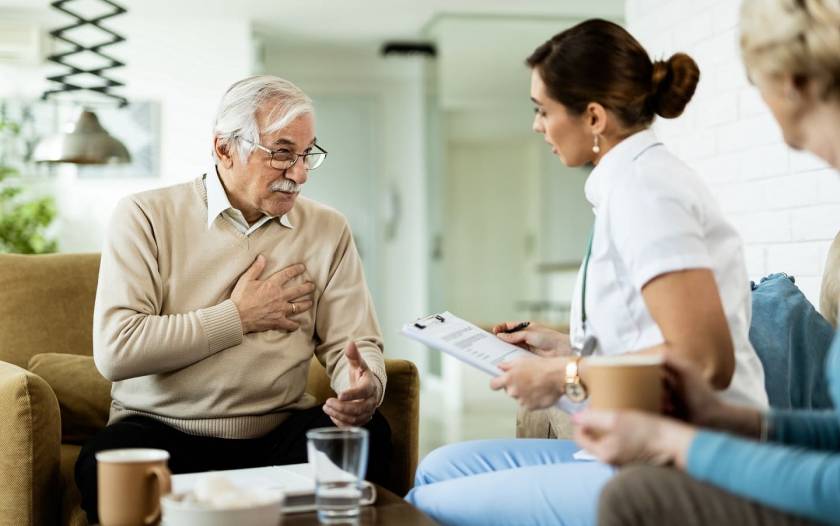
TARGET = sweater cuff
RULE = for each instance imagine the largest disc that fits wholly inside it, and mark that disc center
(376, 364)
(704, 452)
(222, 326)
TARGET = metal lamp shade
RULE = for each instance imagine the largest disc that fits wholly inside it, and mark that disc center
(86, 143)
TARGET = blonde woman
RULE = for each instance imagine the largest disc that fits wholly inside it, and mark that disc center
(784, 468)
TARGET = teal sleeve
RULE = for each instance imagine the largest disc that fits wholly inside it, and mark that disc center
(798, 481)
(811, 429)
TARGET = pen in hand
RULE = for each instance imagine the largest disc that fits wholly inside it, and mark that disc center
(517, 327)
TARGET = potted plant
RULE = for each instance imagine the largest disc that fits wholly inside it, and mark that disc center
(23, 221)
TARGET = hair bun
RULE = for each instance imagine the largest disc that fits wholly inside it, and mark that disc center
(672, 84)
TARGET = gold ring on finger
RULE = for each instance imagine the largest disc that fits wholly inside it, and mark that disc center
(294, 308)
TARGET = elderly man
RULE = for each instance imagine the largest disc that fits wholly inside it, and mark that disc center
(214, 295)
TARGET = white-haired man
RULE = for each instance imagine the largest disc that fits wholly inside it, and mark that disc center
(215, 294)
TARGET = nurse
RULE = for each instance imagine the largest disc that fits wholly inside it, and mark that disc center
(664, 272)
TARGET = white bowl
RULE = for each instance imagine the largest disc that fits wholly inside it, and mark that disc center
(177, 511)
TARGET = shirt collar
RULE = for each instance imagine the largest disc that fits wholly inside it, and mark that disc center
(614, 164)
(218, 202)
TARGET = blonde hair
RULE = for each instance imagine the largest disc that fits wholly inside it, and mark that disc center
(793, 37)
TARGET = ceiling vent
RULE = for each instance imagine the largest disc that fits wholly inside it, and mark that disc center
(425, 49)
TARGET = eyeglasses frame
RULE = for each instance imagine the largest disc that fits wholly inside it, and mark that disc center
(272, 153)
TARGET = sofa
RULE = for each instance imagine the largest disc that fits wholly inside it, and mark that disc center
(52, 398)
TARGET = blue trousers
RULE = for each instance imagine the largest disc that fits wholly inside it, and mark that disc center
(505, 482)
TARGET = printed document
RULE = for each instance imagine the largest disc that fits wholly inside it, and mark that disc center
(296, 480)
(473, 345)
(465, 341)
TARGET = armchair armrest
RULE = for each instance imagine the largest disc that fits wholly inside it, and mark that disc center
(30, 445)
(84, 395)
(401, 408)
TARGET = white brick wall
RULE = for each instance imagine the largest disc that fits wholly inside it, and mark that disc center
(785, 204)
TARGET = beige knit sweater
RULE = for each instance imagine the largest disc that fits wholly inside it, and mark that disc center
(168, 336)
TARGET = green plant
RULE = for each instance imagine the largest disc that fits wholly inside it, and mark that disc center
(22, 221)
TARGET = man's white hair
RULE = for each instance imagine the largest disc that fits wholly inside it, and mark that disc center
(237, 113)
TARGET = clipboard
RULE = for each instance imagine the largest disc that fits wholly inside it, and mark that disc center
(464, 340)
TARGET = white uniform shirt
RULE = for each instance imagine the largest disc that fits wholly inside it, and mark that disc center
(653, 215)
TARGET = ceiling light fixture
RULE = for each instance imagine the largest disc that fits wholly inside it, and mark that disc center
(84, 141)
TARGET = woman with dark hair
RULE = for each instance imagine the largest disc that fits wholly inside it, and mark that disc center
(664, 274)
(729, 464)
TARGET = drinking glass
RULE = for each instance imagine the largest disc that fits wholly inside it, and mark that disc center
(338, 457)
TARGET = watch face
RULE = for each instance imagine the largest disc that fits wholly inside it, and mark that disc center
(575, 392)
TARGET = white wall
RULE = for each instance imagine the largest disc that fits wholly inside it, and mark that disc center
(183, 61)
(785, 204)
(397, 89)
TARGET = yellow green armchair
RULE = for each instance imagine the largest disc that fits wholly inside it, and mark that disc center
(52, 398)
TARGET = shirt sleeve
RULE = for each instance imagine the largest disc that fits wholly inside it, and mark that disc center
(130, 336)
(795, 480)
(657, 229)
(812, 429)
(346, 313)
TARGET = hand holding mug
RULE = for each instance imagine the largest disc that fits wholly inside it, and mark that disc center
(626, 437)
(691, 398)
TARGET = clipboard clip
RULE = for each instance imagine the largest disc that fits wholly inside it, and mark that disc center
(437, 317)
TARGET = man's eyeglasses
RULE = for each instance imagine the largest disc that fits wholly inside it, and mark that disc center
(283, 158)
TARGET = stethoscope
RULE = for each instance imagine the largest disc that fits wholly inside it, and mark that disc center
(590, 342)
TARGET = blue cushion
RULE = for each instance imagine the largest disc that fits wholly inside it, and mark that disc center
(792, 340)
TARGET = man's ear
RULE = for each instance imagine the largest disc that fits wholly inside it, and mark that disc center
(595, 118)
(223, 153)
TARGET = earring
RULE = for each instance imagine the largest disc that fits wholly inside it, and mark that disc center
(595, 147)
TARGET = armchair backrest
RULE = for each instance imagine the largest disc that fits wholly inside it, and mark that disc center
(47, 305)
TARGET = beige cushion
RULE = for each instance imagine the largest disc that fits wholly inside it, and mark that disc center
(84, 395)
(30, 435)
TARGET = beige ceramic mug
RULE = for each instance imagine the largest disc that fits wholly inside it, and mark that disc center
(131, 482)
(625, 381)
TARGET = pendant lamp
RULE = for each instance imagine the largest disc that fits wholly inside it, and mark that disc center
(85, 141)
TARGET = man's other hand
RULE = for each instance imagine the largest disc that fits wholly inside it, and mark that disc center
(272, 303)
(355, 406)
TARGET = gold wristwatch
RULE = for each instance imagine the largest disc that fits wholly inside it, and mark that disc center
(573, 388)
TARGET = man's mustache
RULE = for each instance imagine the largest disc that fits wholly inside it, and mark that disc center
(285, 185)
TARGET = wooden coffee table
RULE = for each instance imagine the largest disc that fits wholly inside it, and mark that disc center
(389, 509)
